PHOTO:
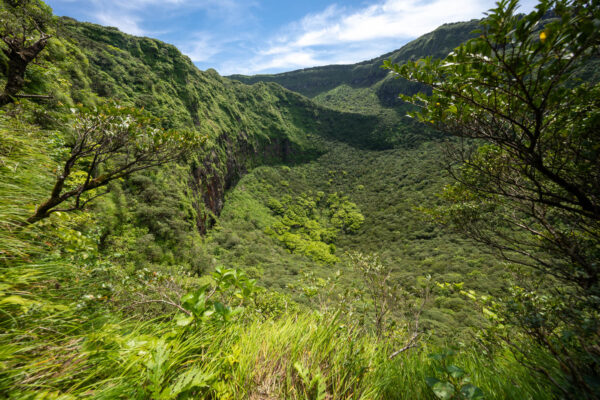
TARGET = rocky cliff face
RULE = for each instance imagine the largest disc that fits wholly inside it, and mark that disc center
(217, 173)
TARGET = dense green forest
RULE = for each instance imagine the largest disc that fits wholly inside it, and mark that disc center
(169, 233)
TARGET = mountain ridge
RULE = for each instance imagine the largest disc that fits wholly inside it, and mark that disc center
(367, 73)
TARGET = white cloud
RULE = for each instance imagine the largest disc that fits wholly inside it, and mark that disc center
(391, 18)
(138, 17)
(126, 23)
(201, 46)
(340, 35)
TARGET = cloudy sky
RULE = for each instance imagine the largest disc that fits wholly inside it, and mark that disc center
(265, 36)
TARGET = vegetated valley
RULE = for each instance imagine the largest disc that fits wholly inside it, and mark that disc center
(292, 252)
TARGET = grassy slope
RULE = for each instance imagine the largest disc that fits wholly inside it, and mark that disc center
(74, 324)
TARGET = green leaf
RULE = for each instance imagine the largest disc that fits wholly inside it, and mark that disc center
(194, 378)
(183, 320)
(455, 372)
(443, 390)
(489, 313)
(187, 297)
(472, 392)
(18, 300)
(302, 372)
(431, 381)
(208, 312)
(321, 389)
(221, 309)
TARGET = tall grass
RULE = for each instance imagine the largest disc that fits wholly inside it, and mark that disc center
(286, 358)
(25, 171)
(53, 352)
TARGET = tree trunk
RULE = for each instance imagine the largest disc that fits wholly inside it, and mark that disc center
(18, 59)
(43, 211)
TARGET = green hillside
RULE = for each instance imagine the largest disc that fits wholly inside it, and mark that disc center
(262, 124)
(246, 126)
(292, 251)
(368, 89)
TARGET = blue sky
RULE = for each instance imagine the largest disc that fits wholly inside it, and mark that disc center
(266, 36)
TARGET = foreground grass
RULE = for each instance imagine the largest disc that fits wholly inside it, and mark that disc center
(296, 357)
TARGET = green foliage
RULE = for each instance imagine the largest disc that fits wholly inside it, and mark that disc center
(345, 215)
(395, 311)
(455, 383)
(107, 144)
(24, 34)
(276, 206)
(528, 190)
(229, 285)
(24, 18)
(314, 384)
(309, 226)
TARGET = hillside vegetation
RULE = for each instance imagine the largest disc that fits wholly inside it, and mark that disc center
(290, 253)
(367, 88)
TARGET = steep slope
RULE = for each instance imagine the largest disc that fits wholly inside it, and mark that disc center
(265, 124)
(245, 125)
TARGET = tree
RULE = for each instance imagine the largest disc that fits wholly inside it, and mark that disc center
(528, 173)
(395, 309)
(23, 31)
(105, 144)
